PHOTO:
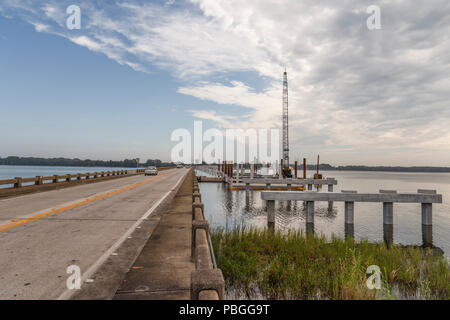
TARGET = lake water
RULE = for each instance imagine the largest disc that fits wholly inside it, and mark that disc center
(10, 172)
(228, 208)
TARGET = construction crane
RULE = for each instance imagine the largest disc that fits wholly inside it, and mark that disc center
(286, 170)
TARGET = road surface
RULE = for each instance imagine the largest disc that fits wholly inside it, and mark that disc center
(42, 234)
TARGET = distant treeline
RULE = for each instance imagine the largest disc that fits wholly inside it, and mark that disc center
(328, 167)
(64, 162)
(380, 168)
(131, 163)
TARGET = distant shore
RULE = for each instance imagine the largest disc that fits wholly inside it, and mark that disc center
(131, 163)
(66, 162)
(326, 167)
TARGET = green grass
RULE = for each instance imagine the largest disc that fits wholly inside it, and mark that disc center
(261, 263)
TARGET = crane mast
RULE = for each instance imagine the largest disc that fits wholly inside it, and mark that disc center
(285, 123)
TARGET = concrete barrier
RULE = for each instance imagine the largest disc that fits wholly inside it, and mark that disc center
(40, 180)
(207, 282)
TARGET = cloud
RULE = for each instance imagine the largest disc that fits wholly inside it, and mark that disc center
(224, 121)
(86, 42)
(350, 88)
(40, 27)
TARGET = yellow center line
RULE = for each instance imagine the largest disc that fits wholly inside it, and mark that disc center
(19, 222)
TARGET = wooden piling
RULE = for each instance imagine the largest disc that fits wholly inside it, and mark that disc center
(281, 168)
(304, 168)
(296, 168)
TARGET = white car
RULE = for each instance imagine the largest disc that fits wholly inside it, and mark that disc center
(179, 166)
(151, 171)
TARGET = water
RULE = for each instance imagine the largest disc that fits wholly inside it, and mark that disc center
(228, 208)
(10, 172)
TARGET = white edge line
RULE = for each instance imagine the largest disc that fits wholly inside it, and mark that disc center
(67, 294)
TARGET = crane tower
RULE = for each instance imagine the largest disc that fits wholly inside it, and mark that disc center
(285, 124)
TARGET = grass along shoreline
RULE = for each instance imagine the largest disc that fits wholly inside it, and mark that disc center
(274, 265)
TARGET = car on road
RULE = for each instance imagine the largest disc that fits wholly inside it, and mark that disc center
(151, 171)
(179, 166)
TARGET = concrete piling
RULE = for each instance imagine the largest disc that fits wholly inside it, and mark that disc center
(427, 214)
(330, 203)
(427, 208)
(349, 208)
(388, 208)
(388, 213)
(309, 211)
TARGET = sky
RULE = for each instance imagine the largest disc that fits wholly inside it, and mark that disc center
(137, 70)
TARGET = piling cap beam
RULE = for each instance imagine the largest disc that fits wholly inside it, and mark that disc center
(328, 181)
(353, 197)
(424, 191)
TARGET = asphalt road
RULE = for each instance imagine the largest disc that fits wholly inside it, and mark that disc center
(42, 234)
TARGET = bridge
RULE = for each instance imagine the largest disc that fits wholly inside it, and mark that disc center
(130, 236)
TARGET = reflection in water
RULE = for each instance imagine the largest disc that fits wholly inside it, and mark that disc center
(427, 236)
(309, 229)
(388, 233)
(247, 200)
(349, 230)
(231, 208)
(271, 225)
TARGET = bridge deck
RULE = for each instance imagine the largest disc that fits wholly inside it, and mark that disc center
(42, 234)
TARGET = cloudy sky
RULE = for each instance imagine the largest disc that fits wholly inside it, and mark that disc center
(137, 70)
